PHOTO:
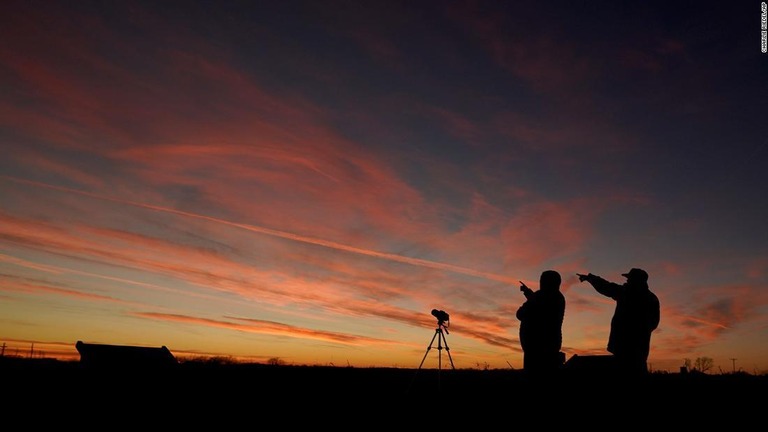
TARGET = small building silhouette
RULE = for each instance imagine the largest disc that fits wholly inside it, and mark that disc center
(124, 356)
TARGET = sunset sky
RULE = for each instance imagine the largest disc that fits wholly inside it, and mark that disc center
(307, 180)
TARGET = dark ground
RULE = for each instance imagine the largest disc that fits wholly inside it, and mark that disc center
(205, 395)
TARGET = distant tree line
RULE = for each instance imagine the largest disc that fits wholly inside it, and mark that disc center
(701, 364)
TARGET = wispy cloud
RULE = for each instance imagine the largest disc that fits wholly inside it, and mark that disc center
(282, 234)
(267, 327)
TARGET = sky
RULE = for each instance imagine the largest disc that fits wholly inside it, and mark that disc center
(304, 181)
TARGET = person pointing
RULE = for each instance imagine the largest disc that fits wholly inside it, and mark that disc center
(541, 320)
(636, 316)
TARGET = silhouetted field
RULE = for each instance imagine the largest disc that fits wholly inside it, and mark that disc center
(304, 394)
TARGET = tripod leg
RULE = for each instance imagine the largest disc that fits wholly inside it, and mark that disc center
(429, 347)
(447, 350)
(440, 351)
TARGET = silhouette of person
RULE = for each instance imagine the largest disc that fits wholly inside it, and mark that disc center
(636, 316)
(541, 322)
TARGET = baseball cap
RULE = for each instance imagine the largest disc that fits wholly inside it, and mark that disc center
(636, 274)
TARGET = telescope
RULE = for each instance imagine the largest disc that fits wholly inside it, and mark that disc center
(442, 316)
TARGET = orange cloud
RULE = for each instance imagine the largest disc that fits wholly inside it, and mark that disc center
(267, 327)
(336, 294)
(547, 230)
(12, 284)
(33, 348)
(284, 235)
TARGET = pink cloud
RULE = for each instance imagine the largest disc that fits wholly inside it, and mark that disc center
(711, 315)
(655, 59)
(547, 230)
(757, 268)
(266, 327)
(342, 293)
(531, 60)
(13, 284)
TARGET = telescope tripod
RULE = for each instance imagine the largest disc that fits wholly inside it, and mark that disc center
(440, 341)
